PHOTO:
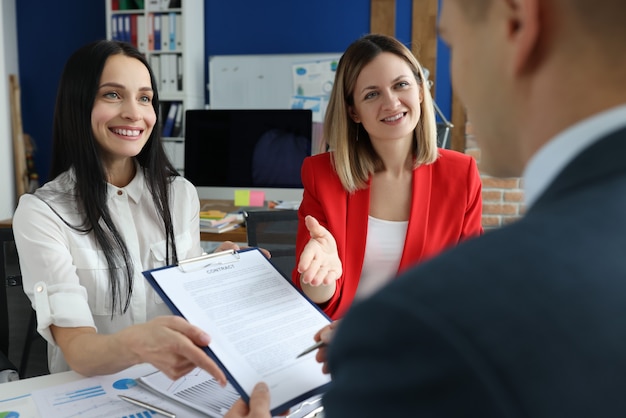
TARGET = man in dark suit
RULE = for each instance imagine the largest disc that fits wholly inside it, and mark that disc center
(528, 320)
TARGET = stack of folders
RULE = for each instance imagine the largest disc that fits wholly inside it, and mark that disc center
(211, 221)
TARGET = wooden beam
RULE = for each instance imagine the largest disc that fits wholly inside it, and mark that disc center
(383, 17)
(459, 120)
(424, 35)
(19, 152)
(424, 47)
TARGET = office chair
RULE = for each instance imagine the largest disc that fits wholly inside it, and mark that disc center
(443, 128)
(8, 371)
(11, 277)
(275, 231)
(443, 134)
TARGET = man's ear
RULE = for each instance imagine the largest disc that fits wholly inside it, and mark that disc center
(524, 29)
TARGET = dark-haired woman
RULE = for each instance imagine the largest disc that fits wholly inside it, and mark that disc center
(115, 207)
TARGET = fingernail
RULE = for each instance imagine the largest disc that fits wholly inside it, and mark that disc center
(205, 338)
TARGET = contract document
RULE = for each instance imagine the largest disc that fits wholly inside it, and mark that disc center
(257, 319)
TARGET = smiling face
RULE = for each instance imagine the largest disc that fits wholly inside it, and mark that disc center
(123, 117)
(387, 99)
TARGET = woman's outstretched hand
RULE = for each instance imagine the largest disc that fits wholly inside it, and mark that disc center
(319, 262)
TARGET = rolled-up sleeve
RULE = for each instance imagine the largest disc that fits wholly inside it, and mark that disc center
(49, 274)
(60, 305)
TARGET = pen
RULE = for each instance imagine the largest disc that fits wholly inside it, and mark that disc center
(148, 406)
(315, 346)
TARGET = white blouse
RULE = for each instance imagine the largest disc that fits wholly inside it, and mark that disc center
(383, 250)
(64, 272)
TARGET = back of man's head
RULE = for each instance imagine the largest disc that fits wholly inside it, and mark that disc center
(602, 19)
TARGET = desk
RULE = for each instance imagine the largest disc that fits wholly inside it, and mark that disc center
(18, 396)
(236, 235)
(25, 386)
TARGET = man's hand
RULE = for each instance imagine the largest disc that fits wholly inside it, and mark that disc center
(259, 406)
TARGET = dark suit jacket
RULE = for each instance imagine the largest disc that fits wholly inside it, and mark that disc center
(525, 321)
(446, 207)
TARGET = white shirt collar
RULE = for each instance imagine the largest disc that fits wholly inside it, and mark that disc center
(135, 188)
(552, 158)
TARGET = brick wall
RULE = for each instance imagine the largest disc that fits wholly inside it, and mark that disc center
(502, 198)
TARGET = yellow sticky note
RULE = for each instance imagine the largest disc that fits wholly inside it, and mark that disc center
(242, 197)
(257, 198)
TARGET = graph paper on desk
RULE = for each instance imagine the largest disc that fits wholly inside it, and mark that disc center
(97, 397)
(200, 391)
(197, 389)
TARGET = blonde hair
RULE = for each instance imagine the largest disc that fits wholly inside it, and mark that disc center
(355, 161)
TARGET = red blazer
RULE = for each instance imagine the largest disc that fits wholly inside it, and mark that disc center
(446, 208)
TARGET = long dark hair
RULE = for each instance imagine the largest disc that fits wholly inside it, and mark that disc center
(75, 147)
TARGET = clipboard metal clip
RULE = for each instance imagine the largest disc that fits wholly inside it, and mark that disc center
(195, 264)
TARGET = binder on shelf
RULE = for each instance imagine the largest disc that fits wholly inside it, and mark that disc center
(165, 77)
(179, 31)
(169, 121)
(172, 72)
(126, 28)
(150, 30)
(133, 30)
(178, 122)
(154, 5)
(172, 31)
(179, 72)
(165, 32)
(141, 33)
(114, 31)
(175, 151)
(157, 31)
(155, 64)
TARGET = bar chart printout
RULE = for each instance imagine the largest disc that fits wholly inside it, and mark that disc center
(97, 397)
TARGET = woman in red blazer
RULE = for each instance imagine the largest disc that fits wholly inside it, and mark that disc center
(385, 197)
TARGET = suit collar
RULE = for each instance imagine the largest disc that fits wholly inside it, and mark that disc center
(602, 159)
(552, 158)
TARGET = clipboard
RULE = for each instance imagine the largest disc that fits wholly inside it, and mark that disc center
(257, 319)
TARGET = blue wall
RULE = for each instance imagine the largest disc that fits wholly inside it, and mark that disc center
(242, 27)
(47, 33)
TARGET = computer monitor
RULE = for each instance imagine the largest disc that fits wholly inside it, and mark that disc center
(252, 149)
